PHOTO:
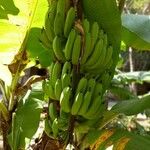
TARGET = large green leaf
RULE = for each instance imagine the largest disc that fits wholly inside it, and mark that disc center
(106, 13)
(34, 47)
(128, 107)
(26, 122)
(120, 139)
(136, 31)
(132, 107)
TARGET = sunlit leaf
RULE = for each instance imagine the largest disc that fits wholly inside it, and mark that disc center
(13, 27)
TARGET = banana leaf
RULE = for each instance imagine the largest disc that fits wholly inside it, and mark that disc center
(25, 121)
(136, 31)
(118, 138)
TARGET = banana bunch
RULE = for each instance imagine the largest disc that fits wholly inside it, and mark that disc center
(88, 55)
(97, 53)
(60, 78)
(59, 21)
(88, 101)
(56, 124)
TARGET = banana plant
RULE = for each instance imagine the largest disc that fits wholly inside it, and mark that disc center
(78, 43)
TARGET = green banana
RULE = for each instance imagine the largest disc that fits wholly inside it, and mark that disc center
(47, 127)
(76, 50)
(61, 4)
(98, 90)
(55, 128)
(49, 21)
(82, 85)
(96, 54)
(85, 126)
(58, 49)
(51, 93)
(108, 56)
(52, 111)
(106, 79)
(86, 26)
(69, 44)
(65, 102)
(58, 89)
(94, 33)
(66, 68)
(86, 103)
(50, 70)
(91, 85)
(63, 124)
(56, 73)
(59, 25)
(77, 104)
(66, 80)
(87, 48)
(93, 108)
(70, 18)
(98, 66)
(44, 39)
(63, 120)
(60, 18)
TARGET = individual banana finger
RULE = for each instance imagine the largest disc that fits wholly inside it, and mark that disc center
(76, 50)
(60, 18)
(86, 103)
(108, 56)
(58, 49)
(51, 93)
(87, 48)
(98, 66)
(66, 68)
(47, 127)
(82, 85)
(56, 73)
(44, 39)
(91, 85)
(77, 104)
(52, 111)
(49, 21)
(86, 26)
(65, 102)
(69, 45)
(96, 54)
(50, 70)
(55, 128)
(98, 90)
(94, 33)
(58, 89)
(66, 80)
(59, 25)
(93, 108)
(70, 18)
